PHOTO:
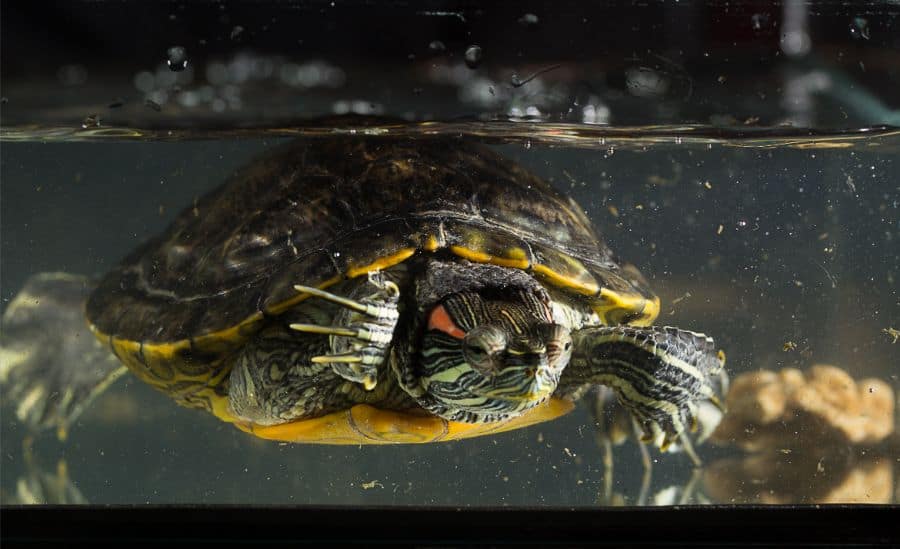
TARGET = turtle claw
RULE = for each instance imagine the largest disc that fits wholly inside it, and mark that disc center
(324, 330)
(363, 328)
(343, 359)
(351, 367)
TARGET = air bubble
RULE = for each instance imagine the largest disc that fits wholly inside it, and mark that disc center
(529, 20)
(177, 58)
(860, 28)
(759, 21)
(473, 56)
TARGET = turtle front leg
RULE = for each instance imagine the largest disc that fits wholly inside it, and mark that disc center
(659, 374)
(361, 333)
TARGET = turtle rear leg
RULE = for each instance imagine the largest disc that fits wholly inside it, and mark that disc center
(51, 365)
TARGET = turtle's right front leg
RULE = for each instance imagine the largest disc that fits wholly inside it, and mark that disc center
(289, 371)
(360, 334)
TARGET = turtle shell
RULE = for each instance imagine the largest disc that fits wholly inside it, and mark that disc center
(322, 210)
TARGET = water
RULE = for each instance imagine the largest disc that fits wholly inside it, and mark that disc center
(743, 156)
(760, 242)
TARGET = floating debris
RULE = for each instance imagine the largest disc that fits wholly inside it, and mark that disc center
(893, 332)
(516, 82)
(236, 32)
(153, 105)
(678, 300)
(91, 121)
(371, 484)
(437, 46)
(456, 14)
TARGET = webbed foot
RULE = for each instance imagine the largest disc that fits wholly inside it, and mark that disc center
(51, 365)
(663, 376)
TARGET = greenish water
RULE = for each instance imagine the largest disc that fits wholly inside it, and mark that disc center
(785, 249)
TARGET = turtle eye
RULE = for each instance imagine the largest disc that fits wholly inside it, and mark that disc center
(477, 353)
(478, 357)
(481, 345)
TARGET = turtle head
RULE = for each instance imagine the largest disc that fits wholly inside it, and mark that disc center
(487, 356)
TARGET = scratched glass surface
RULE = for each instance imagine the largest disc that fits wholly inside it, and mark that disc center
(745, 160)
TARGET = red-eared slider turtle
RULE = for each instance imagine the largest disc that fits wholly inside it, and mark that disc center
(350, 290)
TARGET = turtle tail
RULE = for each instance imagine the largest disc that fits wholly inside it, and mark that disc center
(51, 365)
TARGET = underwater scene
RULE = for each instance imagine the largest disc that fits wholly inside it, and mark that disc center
(244, 263)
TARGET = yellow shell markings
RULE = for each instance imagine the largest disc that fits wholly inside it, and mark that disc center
(157, 364)
(644, 311)
(382, 263)
(481, 257)
(558, 279)
(609, 301)
(431, 243)
(364, 424)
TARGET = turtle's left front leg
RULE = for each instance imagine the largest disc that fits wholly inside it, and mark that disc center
(659, 374)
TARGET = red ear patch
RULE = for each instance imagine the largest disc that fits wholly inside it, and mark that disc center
(440, 320)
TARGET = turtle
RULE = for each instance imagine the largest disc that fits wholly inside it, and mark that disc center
(366, 290)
